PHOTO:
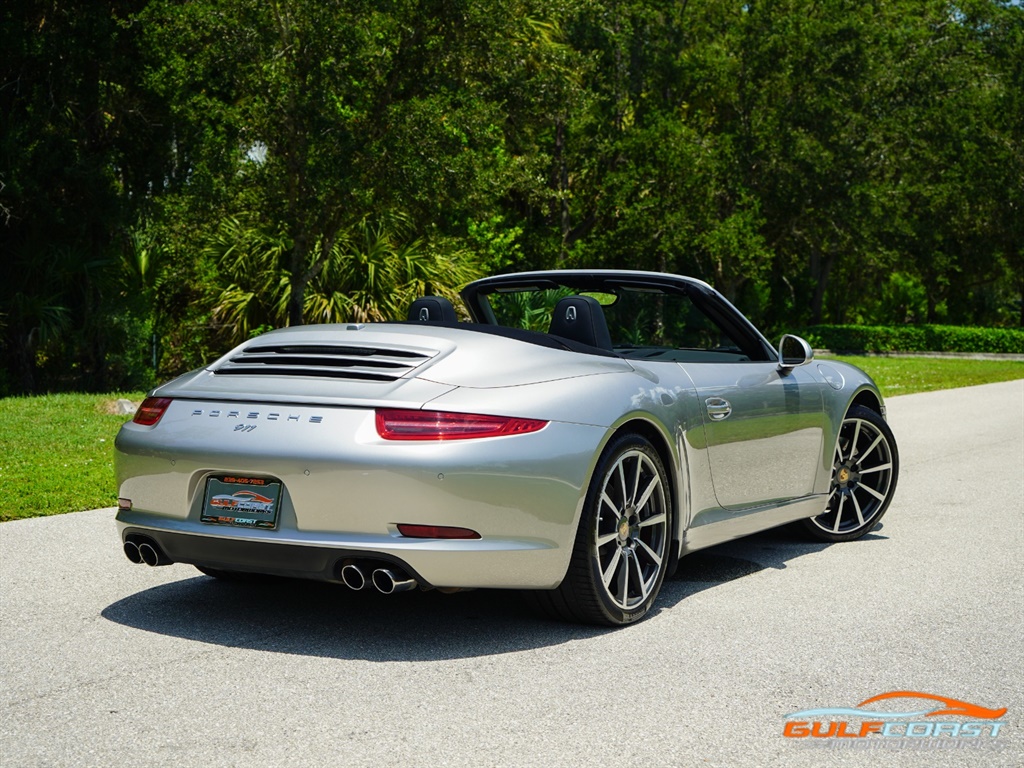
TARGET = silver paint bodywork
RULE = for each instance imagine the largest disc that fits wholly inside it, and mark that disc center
(346, 489)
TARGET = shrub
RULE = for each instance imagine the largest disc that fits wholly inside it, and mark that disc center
(915, 338)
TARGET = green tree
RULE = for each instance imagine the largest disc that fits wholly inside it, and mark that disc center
(947, 154)
(373, 272)
(82, 144)
(326, 114)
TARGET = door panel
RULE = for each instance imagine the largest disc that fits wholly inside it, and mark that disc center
(764, 430)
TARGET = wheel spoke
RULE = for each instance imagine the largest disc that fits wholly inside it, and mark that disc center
(608, 537)
(622, 482)
(839, 514)
(636, 481)
(872, 491)
(853, 443)
(651, 553)
(640, 580)
(879, 468)
(871, 448)
(653, 520)
(609, 572)
(651, 486)
(606, 499)
(856, 506)
(624, 582)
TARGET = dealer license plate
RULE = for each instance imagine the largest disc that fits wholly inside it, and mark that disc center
(249, 502)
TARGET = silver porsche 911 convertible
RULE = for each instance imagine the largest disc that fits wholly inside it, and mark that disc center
(576, 437)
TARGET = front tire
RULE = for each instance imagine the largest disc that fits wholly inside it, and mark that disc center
(865, 468)
(623, 544)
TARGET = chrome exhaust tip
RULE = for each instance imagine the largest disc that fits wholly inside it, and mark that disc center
(151, 555)
(353, 577)
(388, 582)
(148, 553)
(131, 551)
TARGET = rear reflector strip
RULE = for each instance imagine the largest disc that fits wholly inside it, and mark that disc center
(436, 532)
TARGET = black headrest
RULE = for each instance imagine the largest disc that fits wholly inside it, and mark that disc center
(580, 318)
(432, 309)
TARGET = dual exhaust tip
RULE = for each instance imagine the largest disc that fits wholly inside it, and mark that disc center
(145, 551)
(385, 580)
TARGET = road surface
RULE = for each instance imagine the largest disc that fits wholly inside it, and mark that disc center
(103, 663)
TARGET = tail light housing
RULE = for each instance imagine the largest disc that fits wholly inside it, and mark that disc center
(151, 410)
(403, 424)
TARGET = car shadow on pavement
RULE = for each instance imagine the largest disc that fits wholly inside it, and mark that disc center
(768, 550)
(315, 619)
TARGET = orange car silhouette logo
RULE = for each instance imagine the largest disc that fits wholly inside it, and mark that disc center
(907, 722)
(953, 706)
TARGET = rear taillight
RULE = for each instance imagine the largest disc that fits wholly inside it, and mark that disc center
(151, 410)
(400, 424)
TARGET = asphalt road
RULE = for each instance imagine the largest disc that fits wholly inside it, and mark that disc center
(104, 663)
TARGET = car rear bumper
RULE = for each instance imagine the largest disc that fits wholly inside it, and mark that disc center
(494, 563)
(345, 491)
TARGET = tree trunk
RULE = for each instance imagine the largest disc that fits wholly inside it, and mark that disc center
(24, 363)
(299, 280)
(821, 266)
(563, 183)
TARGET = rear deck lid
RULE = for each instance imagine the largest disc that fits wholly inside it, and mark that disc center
(401, 365)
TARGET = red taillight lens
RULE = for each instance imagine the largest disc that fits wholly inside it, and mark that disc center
(436, 532)
(151, 410)
(397, 424)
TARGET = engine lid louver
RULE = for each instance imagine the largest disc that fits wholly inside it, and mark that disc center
(332, 361)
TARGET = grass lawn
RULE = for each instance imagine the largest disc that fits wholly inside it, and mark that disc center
(905, 375)
(57, 451)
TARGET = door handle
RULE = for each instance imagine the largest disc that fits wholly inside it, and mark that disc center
(718, 408)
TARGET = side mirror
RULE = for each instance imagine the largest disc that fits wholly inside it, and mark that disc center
(794, 352)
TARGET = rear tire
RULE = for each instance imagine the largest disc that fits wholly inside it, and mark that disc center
(623, 544)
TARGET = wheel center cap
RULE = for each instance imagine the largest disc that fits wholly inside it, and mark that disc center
(624, 528)
(844, 475)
